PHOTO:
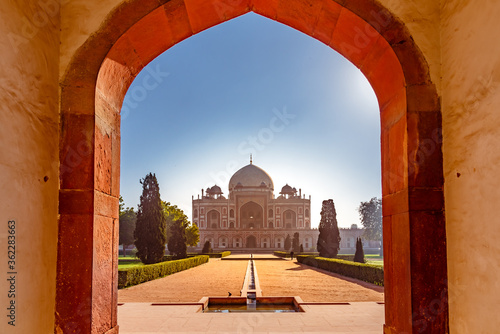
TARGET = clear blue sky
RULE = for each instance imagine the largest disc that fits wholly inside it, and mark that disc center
(223, 93)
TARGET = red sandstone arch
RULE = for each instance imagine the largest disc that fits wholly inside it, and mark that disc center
(364, 32)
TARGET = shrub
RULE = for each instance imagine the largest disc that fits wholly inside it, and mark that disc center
(281, 254)
(287, 254)
(360, 255)
(207, 248)
(362, 271)
(217, 255)
(137, 275)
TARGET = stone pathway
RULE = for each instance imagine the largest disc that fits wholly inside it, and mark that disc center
(215, 278)
(277, 278)
(363, 314)
(290, 278)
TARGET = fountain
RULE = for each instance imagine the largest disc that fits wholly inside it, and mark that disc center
(251, 299)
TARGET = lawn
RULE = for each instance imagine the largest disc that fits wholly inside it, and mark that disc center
(374, 259)
(128, 262)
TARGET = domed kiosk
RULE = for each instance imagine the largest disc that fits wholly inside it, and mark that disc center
(251, 218)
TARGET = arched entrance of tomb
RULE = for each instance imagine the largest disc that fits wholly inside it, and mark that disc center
(251, 242)
(289, 219)
(92, 92)
(251, 216)
(213, 219)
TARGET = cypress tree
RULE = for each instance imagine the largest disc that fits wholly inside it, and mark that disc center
(207, 248)
(150, 231)
(359, 256)
(329, 235)
(296, 242)
(301, 250)
(288, 243)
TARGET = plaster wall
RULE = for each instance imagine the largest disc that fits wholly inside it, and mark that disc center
(471, 148)
(29, 125)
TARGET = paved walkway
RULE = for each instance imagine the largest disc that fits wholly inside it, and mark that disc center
(366, 318)
(277, 278)
(290, 278)
(215, 278)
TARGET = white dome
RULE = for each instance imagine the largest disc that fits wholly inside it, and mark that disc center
(251, 176)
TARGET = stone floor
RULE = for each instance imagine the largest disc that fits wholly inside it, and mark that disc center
(360, 317)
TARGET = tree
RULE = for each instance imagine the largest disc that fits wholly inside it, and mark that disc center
(288, 243)
(301, 248)
(150, 231)
(207, 248)
(179, 230)
(359, 256)
(192, 235)
(329, 235)
(177, 239)
(370, 214)
(296, 242)
(127, 221)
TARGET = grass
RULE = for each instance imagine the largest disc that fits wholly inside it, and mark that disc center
(131, 262)
(375, 262)
(374, 259)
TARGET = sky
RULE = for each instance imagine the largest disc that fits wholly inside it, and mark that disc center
(253, 86)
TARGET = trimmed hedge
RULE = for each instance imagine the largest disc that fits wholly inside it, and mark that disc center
(281, 254)
(287, 254)
(217, 255)
(362, 271)
(141, 274)
(345, 257)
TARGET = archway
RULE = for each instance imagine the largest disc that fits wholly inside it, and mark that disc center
(100, 73)
(251, 242)
(213, 219)
(289, 219)
(251, 216)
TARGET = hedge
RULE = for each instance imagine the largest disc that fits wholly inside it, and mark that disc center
(217, 255)
(345, 257)
(140, 274)
(362, 271)
(287, 254)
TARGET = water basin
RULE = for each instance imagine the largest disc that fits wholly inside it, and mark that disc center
(274, 305)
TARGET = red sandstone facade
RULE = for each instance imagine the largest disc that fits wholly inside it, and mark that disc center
(251, 217)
